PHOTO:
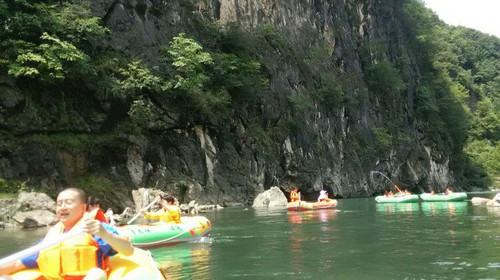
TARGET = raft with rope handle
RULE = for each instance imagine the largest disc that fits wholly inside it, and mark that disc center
(397, 198)
(165, 234)
(458, 196)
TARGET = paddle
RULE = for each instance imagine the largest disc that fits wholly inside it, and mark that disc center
(35, 249)
(145, 208)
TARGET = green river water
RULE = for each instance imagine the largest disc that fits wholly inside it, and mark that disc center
(358, 240)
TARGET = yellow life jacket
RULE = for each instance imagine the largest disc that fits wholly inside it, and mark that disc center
(71, 259)
(173, 215)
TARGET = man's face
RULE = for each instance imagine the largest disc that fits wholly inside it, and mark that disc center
(69, 207)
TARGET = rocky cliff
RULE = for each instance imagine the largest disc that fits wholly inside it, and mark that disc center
(327, 47)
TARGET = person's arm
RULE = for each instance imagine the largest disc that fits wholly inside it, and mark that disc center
(119, 244)
(155, 215)
(12, 267)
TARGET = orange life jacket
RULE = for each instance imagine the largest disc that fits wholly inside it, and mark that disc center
(294, 196)
(71, 259)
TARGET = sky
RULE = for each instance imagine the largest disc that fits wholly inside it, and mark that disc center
(482, 15)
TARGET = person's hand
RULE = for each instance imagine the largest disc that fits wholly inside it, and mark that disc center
(93, 227)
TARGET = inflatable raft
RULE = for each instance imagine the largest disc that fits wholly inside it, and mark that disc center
(140, 265)
(458, 196)
(305, 206)
(396, 198)
(165, 234)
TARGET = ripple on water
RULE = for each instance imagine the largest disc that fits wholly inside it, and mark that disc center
(443, 263)
(493, 265)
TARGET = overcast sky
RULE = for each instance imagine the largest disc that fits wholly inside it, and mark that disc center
(483, 15)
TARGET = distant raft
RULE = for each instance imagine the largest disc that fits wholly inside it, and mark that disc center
(306, 206)
(458, 196)
(397, 198)
(164, 234)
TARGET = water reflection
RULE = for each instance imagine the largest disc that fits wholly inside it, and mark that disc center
(493, 210)
(305, 217)
(266, 212)
(184, 261)
(13, 240)
(451, 208)
(391, 208)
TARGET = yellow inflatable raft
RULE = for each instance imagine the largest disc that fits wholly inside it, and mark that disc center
(140, 265)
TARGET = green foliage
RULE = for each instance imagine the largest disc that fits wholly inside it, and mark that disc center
(44, 41)
(459, 66)
(277, 40)
(190, 82)
(189, 61)
(329, 92)
(242, 79)
(487, 155)
(486, 121)
(46, 61)
(426, 105)
(199, 85)
(384, 79)
(7, 195)
(301, 102)
(137, 78)
(98, 186)
(78, 142)
(11, 186)
(383, 139)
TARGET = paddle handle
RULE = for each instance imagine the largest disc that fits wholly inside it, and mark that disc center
(37, 248)
(145, 208)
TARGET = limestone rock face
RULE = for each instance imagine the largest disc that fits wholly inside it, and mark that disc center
(35, 201)
(273, 197)
(194, 162)
(35, 218)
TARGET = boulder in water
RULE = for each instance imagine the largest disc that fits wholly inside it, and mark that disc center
(273, 197)
(35, 218)
(29, 201)
(479, 201)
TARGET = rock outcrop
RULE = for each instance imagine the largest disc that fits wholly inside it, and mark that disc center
(273, 197)
(28, 210)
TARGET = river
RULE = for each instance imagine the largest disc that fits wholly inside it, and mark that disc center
(358, 240)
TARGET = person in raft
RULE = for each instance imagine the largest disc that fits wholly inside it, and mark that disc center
(294, 195)
(94, 209)
(86, 255)
(169, 212)
(448, 191)
(323, 195)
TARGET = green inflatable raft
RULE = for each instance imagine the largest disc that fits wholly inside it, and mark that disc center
(164, 234)
(459, 196)
(397, 198)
